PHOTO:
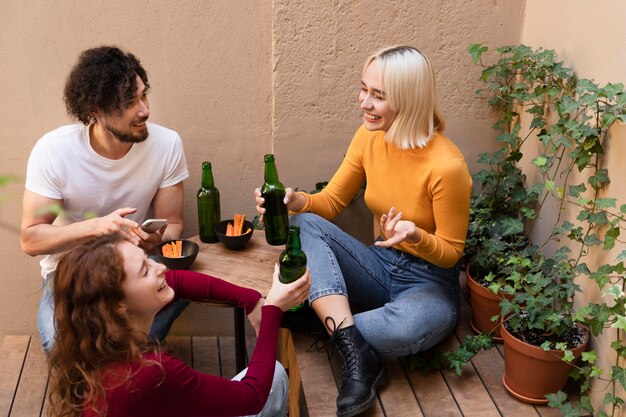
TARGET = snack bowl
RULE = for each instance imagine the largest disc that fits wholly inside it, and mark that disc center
(190, 251)
(233, 242)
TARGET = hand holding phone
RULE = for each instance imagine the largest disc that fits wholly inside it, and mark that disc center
(152, 225)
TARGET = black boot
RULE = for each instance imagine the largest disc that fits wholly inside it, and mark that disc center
(362, 371)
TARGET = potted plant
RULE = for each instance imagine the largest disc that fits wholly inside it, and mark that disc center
(567, 118)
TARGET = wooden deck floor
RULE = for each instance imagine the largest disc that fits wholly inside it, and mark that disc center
(478, 392)
(408, 393)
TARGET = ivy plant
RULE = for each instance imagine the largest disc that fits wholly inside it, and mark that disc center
(541, 102)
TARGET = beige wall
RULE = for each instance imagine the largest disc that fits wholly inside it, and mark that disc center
(591, 38)
(209, 67)
(236, 79)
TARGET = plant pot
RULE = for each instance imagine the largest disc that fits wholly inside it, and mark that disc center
(531, 372)
(485, 305)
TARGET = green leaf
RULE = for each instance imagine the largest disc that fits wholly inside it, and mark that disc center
(611, 237)
(540, 161)
(556, 399)
(568, 356)
(619, 374)
(620, 323)
(576, 190)
(605, 203)
(476, 50)
(589, 357)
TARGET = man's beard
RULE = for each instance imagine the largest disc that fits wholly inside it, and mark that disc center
(125, 137)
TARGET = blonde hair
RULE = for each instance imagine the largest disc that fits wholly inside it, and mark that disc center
(409, 83)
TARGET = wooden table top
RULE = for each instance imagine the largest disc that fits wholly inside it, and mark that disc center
(250, 267)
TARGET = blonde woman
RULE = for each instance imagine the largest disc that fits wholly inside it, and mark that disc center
(418, 189)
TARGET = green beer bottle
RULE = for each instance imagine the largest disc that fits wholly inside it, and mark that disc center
(276, 217)
(208, 205)
(292, 261)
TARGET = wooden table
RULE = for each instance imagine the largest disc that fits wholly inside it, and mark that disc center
(251, 267)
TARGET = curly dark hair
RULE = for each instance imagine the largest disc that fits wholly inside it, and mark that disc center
(103, 79)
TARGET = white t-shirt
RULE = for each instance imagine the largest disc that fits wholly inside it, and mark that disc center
(64, 166)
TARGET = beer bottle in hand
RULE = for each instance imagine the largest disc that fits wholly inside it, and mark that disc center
(208, 205)
(276, 217)
(292, 261)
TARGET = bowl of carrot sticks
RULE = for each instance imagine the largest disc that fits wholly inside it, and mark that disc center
(178, 253)
(234, 233)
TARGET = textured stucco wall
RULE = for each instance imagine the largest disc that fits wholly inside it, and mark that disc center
(209, 67)
(591, 38)
(236, 79)
(319, 50)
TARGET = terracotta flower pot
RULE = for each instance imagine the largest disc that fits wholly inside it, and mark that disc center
(485, 305)
(530, 372)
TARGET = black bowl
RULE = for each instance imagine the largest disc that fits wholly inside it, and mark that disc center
(190, 251)
(233, 242)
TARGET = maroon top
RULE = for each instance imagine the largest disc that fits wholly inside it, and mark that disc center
(177, 389)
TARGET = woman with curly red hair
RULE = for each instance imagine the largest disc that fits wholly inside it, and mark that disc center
(107, 293)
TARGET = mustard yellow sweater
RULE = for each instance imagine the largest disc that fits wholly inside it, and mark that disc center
(431, 186)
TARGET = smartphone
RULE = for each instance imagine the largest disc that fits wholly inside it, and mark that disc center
(152, 225)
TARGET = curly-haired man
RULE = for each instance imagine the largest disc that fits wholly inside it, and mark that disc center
(103, 175)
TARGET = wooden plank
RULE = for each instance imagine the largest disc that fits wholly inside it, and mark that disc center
(433, 395)
(468, 390)
(181, 347)
(206, 355)
(318, 381)
(227, 356)
(12, 355)
(396, 395)
(376, 410)
(31, 392)
(490, 367)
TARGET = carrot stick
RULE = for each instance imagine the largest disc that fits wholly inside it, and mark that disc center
(179, 248)
(242, 221)
(236, 225)
(229, 230)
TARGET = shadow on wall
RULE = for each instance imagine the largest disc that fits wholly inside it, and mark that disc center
(357, 221)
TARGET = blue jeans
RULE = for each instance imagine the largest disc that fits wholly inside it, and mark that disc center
(277, 402)
(409, 304)
(47, 329)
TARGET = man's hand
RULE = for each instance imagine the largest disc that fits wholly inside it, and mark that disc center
(117, 222)
(149, 241)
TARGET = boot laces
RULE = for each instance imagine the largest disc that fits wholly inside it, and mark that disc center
(346, 348)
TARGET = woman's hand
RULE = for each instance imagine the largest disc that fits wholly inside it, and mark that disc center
(286, 296)
(394, 230)
(294, 201)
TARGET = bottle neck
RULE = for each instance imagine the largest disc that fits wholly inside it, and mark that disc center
(207, 176)
(271, 173)
(293, 242)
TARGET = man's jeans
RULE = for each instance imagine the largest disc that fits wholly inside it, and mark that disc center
(45, 317)
(277, 402)
(410, 304)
